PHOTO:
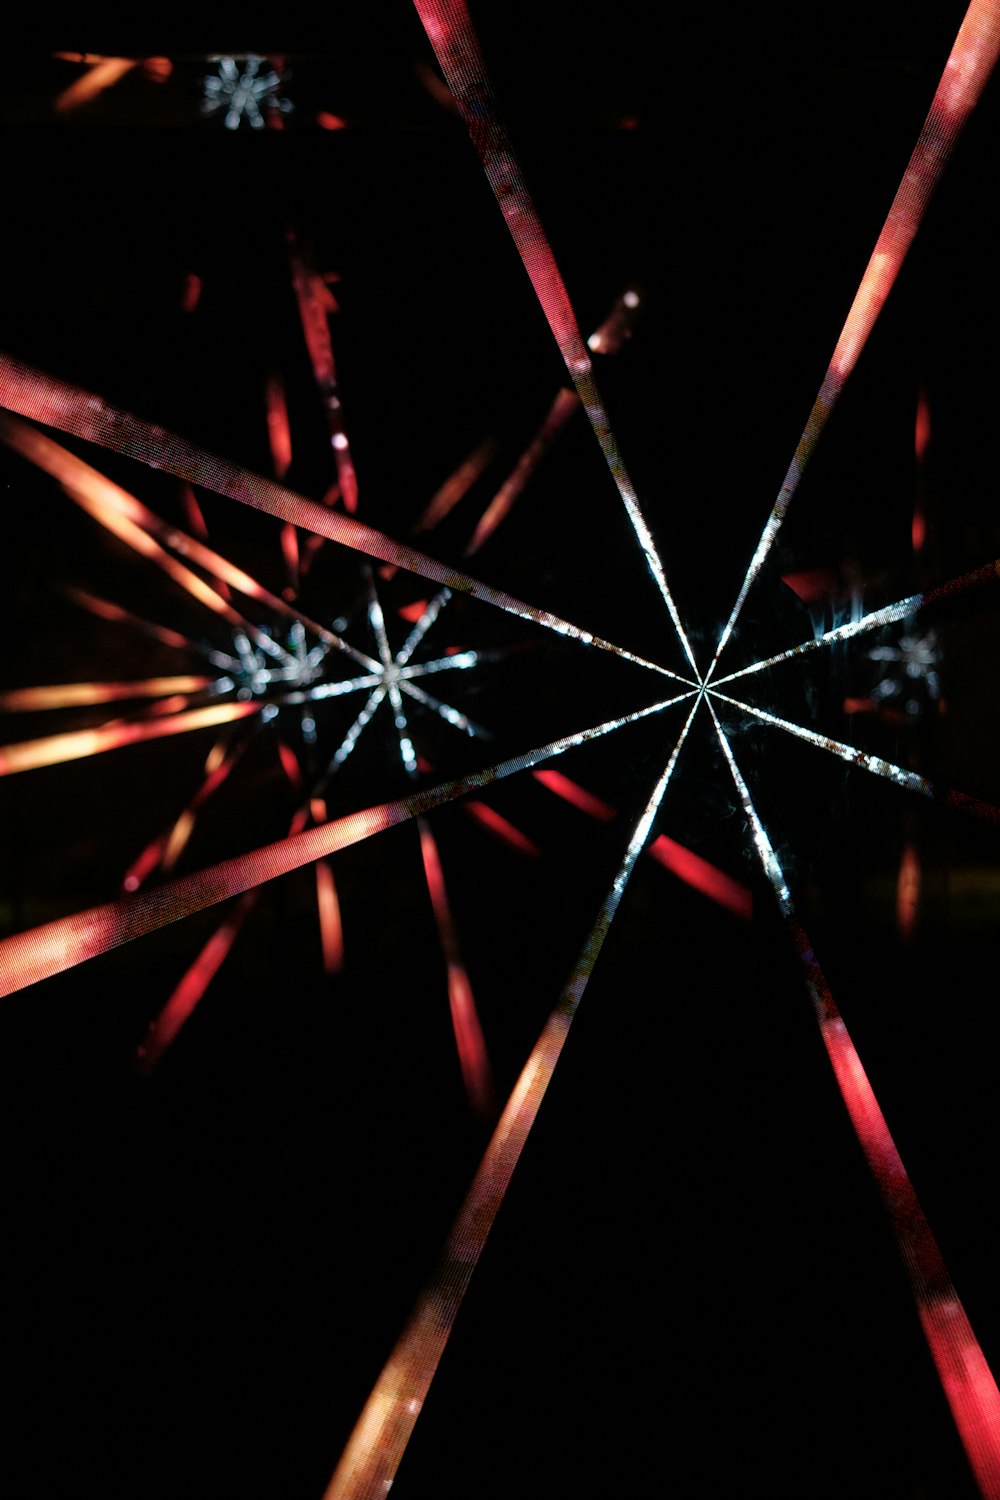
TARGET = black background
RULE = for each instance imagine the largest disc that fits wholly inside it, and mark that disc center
(691, 1287)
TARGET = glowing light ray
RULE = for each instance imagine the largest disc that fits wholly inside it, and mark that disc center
(460, 662)
(105, 610)
(502, 828)
(101, 74)
(451, 34)
(325, 690)
(60, 405)
(144, 530)
(889, 614)
(315, 304)
(35, 954)
(563, 407)
(352, 736)
(331, 929)
(472, 1055)
(422, 625)
(968, 1383)
(687, 866)
(183, 1001)
(969, 65)
(450, 715)
(376, 1446)
(165, 850)
(56, 749)
(78, 694)
(455, 487)
(909, 780)
(406, 749)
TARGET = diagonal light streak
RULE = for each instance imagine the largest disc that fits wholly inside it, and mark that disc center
(377, 619)
(968, 1383)
(450, 715)
(451, 34)
(144, 530)
(910, 781)
(966, 72)
(57, 749)
(27, 957)
(57, 404)
(888, 614)
(80, 694)
(376, 1446)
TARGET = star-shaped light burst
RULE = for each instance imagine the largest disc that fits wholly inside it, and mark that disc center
(240, 88)
(372, 1456)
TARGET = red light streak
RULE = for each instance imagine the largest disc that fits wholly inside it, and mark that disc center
(572, 792)
(326, 121)
(315, 306)
(456, 486)
(55, 749)
(968, 67)
(290, 764)
(702, 876)
(502, 829)
(185, 998)
(27, 957)
(105, 610)
(411, 613)
(76, 694)
(376, 1446)
(191, 292)
(563, 407)
(815, 583)
(472, 1055)
(59, 405)
(278, 431)
(451, 34)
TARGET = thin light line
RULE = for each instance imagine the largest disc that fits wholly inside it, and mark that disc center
(910, 781)
(965, 75)
(377, 1444)
(57, 404)
(966, 1379)
(451, 34)
(27, 957)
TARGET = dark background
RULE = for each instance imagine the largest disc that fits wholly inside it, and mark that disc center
(691, 1286)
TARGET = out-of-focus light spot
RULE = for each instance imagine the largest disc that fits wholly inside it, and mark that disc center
(327, 121)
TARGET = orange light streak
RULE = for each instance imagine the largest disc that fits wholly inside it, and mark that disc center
(63, 406)
(331, 928)
(456, 486)
(55, 749)
(166, 848)
(315, 306)
(278, 430)
(27, 957)
(74, 694)
(327, 121)
(472, 1055)
(562, 408)
(908, 892)
(105, 610)
(502, 829)
(100, 75)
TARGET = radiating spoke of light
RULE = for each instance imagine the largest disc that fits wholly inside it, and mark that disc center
(965, 1376)
(27, 957)
(562, 408)
(455, 487)
(687, 866)
(145, 531)
(451, 34)
(453, 716)
(56, 749)
(315, 304)
(79, 694)
(888, 614)
(165, 850)
(502, 828)
(377, 1444)
(56, 404)
(909, 780)
(331, 929)
(965, 75)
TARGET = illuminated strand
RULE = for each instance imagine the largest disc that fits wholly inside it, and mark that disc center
(451, 34)
(910, 781)
(69, 409)
(965, 74)
(27, 957)
(889, 614)
(563, 407)
(79, 694)
(376, 1446)
(968, 1383)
